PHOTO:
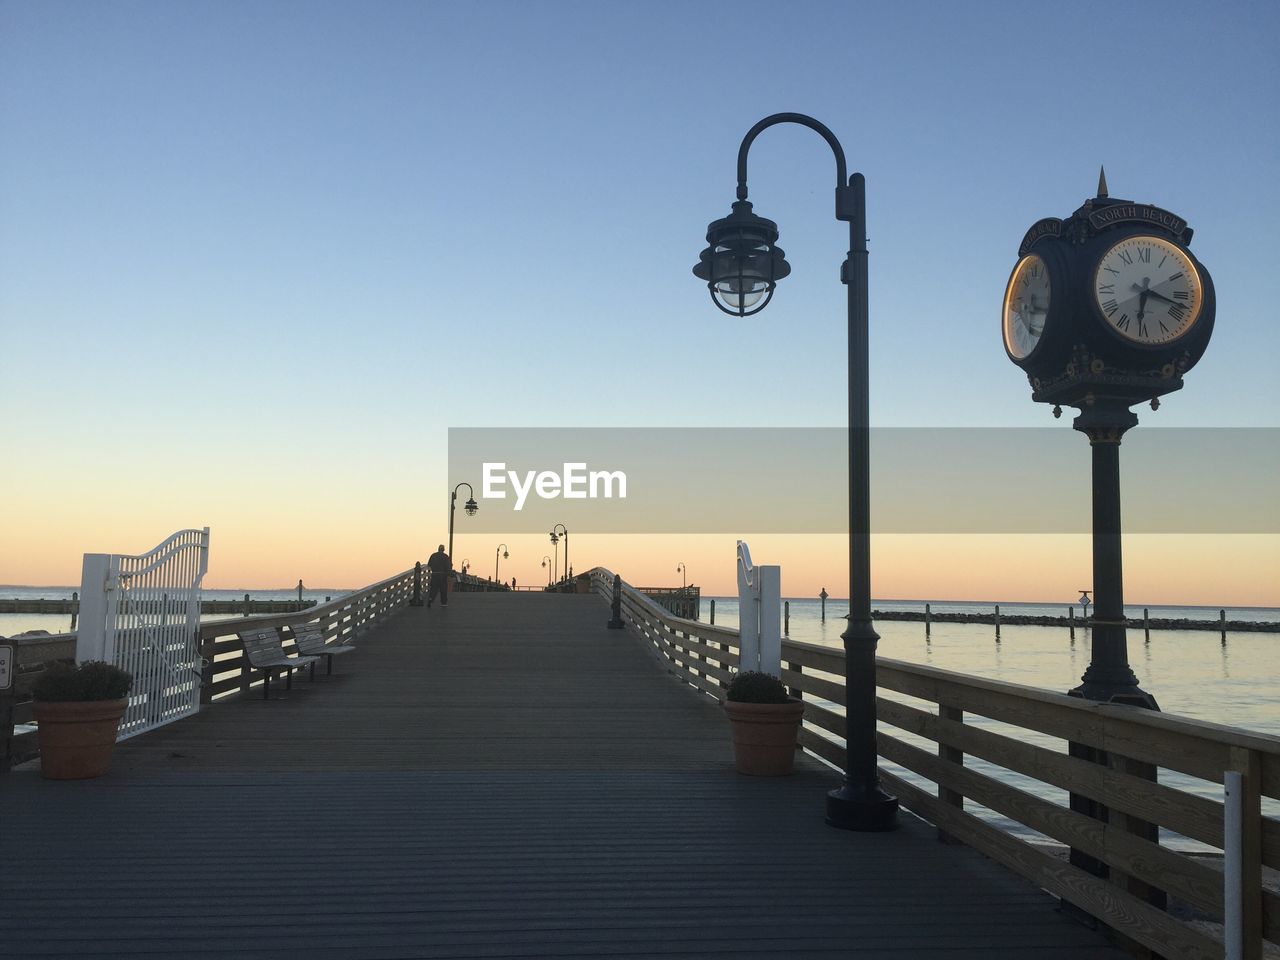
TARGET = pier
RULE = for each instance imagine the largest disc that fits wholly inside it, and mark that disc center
(507, 777)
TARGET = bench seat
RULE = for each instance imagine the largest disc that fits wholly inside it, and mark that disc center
(265, 652)
(310, 640)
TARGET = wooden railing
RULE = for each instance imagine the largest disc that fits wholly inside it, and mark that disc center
(226, 671)
(932, 720)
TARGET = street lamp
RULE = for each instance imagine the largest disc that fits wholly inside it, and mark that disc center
(556, 539)
(546, 562)
(741, 266)
(684, 571)
(470, 506)
(502, 550)
(465, 564)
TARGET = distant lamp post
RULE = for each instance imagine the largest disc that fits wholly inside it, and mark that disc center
(465, 564)
(546, 562)
(741, 266)
(470, 506)
(500, 553)
(1084, 607)
(555, 539)
(684, 571)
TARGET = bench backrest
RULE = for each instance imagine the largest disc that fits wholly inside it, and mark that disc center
(309, 638)
(262, 644)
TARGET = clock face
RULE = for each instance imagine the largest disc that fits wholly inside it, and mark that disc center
(1026, 306)
(1148, 290)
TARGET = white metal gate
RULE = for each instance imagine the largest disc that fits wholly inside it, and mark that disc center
(143, 614)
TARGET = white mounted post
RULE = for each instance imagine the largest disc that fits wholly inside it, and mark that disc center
(770, 586)
(1232, 864)
(91, 637)
(759, 615)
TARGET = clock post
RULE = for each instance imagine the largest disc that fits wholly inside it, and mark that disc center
(1105, 310)
(1108, 677)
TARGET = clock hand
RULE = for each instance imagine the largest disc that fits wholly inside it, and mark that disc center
(1161, 296)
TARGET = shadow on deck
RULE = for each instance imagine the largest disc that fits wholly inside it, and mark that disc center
(500, 778)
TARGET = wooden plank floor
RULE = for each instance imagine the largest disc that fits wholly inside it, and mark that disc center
(501, 778)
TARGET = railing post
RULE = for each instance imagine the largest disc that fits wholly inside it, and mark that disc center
(615, 622)
(713, 611)
(6, 722)
(949, 755)
(417, 585)
(1116, 820)
(206, 669)
(795, 691)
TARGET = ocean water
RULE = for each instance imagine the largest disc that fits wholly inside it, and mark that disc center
(1190, 672)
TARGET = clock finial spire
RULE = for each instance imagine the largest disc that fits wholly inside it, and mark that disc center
(1102, 182)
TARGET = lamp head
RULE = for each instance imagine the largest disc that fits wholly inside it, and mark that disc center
(471, 507)
(742, 262)
(554, 538)
(505, 555)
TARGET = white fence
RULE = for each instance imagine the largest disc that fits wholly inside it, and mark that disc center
(142, 613)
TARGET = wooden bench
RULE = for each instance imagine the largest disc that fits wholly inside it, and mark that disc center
(311, 643)
(264, 651)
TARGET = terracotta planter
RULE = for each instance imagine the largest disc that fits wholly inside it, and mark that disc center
(764, 736)
(76, 738)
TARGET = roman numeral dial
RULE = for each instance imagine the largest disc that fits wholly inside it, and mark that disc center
(1026, 306)
(1147, 290)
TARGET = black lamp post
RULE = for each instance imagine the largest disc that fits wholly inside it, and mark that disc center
(470, 506)
(546, 562)
(501, 551)
(684, 576)
(555, 539)
(741, 266)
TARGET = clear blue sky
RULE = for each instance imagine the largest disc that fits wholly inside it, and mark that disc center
(342, 220)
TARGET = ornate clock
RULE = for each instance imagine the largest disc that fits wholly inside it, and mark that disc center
(1109, 301)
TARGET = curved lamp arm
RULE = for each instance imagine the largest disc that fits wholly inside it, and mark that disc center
(844, 202)
(470, 493)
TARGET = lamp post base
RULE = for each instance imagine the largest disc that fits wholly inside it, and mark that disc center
(866, 811)
(1129, 695)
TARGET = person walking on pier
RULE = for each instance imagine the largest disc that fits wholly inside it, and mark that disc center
(440, 568)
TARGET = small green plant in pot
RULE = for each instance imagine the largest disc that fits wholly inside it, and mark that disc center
(77, 711)
(766, 724)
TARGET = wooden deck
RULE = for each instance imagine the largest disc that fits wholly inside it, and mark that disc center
(500, 778)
